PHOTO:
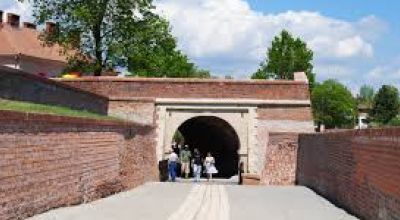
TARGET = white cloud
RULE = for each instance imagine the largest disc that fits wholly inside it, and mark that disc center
(229, 38)
(371, 27)
(388, 74)
(22, 9)
(230, 28)
(334, 71)
(385, 73)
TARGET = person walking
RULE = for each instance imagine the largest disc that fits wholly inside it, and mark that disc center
(172, 163)
(176, 147)
(185, 156)
(197, 165)
(209, 163)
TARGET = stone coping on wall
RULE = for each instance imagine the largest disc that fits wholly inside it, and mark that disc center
(373, 132)
(135, 99)
(220, 101)
(11, 121)
(181, 80)
(237, 101)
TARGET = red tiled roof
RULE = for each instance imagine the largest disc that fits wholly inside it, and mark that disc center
(26, 41)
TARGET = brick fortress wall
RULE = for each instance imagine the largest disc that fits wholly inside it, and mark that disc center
(128, 88)
(356, 170)
(278, 129)
(51, 161)
(281, 158)
(17, 85)
(134, 99)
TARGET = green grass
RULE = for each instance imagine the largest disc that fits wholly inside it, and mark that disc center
(29, 107)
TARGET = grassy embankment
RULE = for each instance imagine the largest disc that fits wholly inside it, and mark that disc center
(29, 107)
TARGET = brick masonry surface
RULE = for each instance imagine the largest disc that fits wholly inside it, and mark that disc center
(50, 161)
(356, 170)
(17, 85)
(280, 162)
(141, 111)
(120, 88)
(284, 113)
(134, 99)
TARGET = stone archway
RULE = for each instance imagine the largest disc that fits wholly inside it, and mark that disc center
(214, 135)
(172, 115)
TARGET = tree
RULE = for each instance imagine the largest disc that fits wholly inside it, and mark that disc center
(158, 56)
(333, 105)
(261, 74)
(395, 122)
(366, 95)
(386, 104)
(286, 56)
(171, 65)
(178, 137)
(106, 33)
(94, 28)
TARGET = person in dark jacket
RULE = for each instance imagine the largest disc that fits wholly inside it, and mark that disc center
(197, 162)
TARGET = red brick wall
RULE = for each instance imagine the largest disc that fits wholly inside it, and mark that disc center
(285, 113)
(191, 88)
(356, 170)
(49, 161)
(138, 161)
(17, 85)
(280, 162)
(140, 111)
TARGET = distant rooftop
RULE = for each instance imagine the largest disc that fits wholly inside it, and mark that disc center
(23, 39)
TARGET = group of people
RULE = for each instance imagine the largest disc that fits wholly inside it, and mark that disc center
(188, 160)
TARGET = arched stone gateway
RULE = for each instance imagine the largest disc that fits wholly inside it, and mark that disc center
(214, 135)
(225, 129)
(251, 121)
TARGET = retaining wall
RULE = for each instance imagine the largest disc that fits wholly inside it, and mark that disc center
(51, 161)
(357, 170)
(20, 86)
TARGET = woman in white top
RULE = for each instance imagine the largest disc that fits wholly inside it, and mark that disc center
(172, 164)
(209, 163)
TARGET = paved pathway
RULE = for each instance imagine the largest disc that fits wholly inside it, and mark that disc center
(186, 201)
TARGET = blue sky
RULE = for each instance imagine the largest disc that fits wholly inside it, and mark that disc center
(354, 41)
(386, 10)
(386, 47)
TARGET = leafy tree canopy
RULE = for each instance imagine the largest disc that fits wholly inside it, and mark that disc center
(366, 95)
(386, 104)
(158, 56)
(286, 56)
(333, 105)
(106, 33)
(395, 122)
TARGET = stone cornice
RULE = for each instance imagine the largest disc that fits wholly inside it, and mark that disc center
(257, 102)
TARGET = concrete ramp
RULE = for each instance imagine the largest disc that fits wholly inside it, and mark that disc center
(205, 201)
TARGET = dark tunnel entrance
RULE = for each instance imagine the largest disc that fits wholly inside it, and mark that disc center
(214, 135)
